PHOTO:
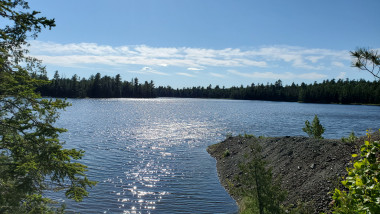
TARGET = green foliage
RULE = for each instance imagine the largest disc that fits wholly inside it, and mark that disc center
(226, 153)
(32, 159)
(249, 136)
(259, 191)
(328, 91)
(314, 130)
(362, 183)
(302, 208)
(96, 87)
(367, 60)
(350, 139)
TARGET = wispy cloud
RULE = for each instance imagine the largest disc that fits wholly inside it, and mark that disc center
(314, 59)
(193, 59)
(195, 69)
(185, 74)
(217, 75)
(283, 76)
(149, 70)
(337, 64)
(299, 57)
(69, 55)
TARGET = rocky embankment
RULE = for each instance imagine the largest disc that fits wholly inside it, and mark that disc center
(309, 168)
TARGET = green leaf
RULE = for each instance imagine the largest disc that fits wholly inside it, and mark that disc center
(34, 155)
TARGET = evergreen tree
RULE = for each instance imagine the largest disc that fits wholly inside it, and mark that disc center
(329, 91)
(315, 129)
(118, 86)
(32, 159)
(96, 87)
(367, 60)
(261, 193)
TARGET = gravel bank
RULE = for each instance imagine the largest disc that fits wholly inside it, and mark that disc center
(309, 168)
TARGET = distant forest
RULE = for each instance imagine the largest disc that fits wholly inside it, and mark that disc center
(329, 91)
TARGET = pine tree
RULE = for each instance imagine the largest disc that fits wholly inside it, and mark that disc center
(32, 158)
(315, 129)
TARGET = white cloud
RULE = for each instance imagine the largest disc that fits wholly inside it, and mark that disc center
(299, 57)
(157, 52)
(75, 48)
(185, 74)
(252, 63)
(337, 64)
(314, 59)
(217, 75)
(194, 59)
(283, 76)
(148, 70)
(195, 69)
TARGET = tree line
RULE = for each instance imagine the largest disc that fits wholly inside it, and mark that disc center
(329, 91)
(96, 87)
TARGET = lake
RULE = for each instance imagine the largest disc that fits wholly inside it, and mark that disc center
(149, 155)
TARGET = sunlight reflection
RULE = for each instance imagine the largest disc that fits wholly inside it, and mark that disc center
(153, 139)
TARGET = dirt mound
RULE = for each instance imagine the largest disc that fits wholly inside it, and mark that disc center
(309, 168)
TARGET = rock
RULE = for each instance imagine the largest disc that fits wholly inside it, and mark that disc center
(312, 166)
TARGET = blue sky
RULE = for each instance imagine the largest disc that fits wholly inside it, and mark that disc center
(185, 43)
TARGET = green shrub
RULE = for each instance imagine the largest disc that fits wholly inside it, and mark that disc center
(350, 139)
(260, 192)
(301, 208)
(314, 130)
(248, 135)
(226, 153)
(362, 182)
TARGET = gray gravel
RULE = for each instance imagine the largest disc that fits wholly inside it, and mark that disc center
(309, 168)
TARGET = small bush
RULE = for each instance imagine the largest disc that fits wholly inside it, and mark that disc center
(249, 136)
(302, 208)
(226, 153)
(314, 130)
(362, 182)
(260, 192)
(350, 139)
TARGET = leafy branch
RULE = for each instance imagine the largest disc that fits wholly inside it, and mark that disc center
(362, 182)
(367, 60)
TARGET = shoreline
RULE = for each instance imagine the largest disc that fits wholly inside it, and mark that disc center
(332, 103)
(309, 168)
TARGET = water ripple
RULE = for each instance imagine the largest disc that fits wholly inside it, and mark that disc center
(149, 155)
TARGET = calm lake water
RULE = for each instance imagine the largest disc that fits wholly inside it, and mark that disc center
(149, 155)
